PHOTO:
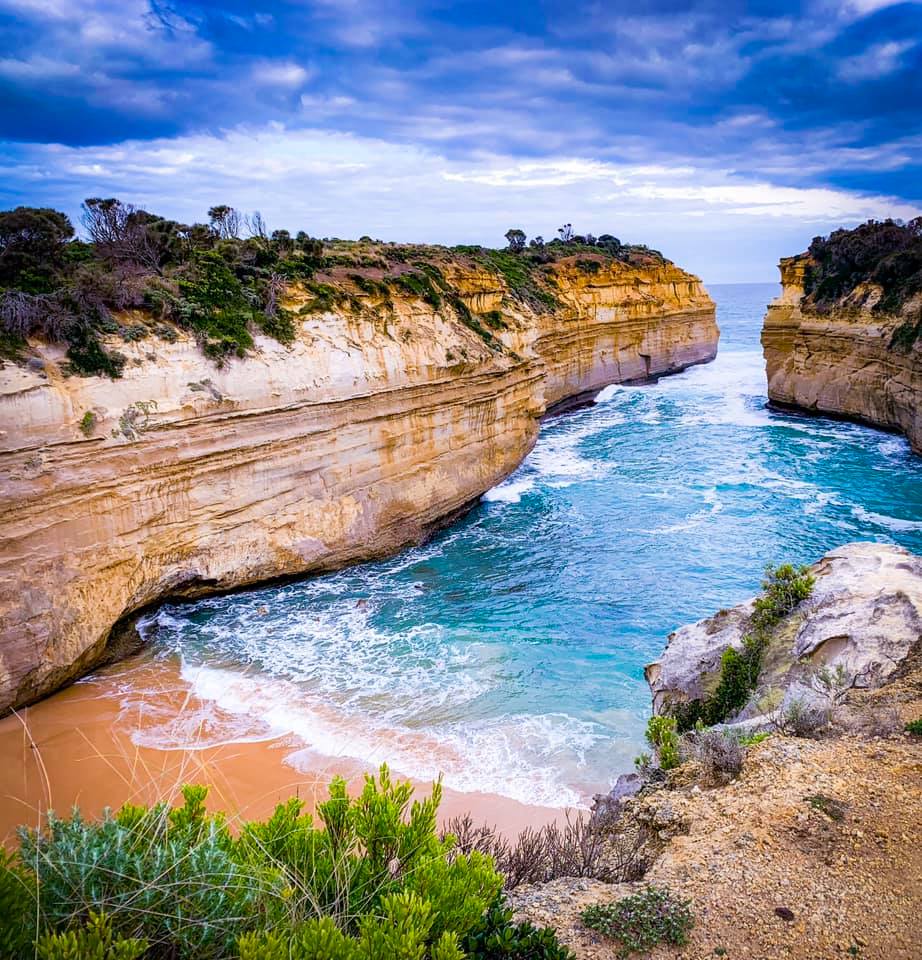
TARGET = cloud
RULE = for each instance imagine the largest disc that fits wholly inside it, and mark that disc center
(507, 102)
(877, 61)
(37, 68)
(342, 185)
(280, 73)
(864, 7)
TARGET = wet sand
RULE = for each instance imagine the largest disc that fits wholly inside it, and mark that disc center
(76, 748)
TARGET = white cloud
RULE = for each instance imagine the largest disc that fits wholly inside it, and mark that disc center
(865, 7)
(877, 61)
(280, 73)
(96, 30)
(336, 184)
(37, 68)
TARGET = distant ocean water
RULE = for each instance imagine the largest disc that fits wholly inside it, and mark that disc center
(507, 653)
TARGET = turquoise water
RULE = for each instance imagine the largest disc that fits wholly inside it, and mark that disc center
(508, 653)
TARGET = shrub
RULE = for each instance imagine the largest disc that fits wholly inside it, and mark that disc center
(88, 423)
(833, 684)
(801, 718)
(145, 868)
(663, 737)
(885, 252)
(497, 937)
(915, 727)
(719, 753)
(583, 846)
(783, 589)
(520, 276)
(32, 244)
(94, 941)
(402, 931)
(17, 908)
(216, 307)
(87, 357)
(642, 920)
(372, 879)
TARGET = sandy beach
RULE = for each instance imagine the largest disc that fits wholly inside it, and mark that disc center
(76, 749)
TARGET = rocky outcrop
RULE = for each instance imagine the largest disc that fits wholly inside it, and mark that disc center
(864, 614)
(842, 361)
(379, 423)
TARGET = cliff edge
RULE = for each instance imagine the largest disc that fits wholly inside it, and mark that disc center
(844, 336)
(415, 381)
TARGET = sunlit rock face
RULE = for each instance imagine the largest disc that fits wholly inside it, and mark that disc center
(373, 428)
(842, 362)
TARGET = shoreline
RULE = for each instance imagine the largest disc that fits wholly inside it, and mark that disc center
(75, 748)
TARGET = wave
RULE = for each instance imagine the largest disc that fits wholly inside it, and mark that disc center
(524, 758)
(897, 524)
(333, 650)
(509, 491)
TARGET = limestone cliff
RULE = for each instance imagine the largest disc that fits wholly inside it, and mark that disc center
(842, 360)
(864, 615)
(387, 415)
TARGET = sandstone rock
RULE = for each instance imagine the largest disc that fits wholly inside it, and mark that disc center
(606, 807)
(364, 436)
(841, 362)
(865, 614)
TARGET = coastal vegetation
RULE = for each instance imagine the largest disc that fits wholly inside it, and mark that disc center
(370, 879)
(137, 275)
(783, 589)
(641, 921)
(885, 253)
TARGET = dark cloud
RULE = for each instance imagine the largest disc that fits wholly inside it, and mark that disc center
(808, 94)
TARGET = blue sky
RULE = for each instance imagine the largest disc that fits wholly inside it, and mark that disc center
(726, 134)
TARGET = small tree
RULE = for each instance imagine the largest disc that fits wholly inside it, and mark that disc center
(225, 221)
(257, 226)
(31, 246)
(566, 232)
(537, 243)
(124, 234)
(516, 240)
(282, 243)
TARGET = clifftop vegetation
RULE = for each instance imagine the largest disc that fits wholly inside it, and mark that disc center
(137, 274)
(886, 253)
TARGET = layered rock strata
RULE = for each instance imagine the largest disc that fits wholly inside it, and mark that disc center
(843, 361)
(375, 426)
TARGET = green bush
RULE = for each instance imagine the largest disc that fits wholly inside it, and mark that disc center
(169, 876)
(783, 588)
(643, 920)
(497, 937)
(402, 931)
(94, 941)
(662, 735)
(216, 307)
(369, 880)
(915, 726)
(17, 908)
(883, 252)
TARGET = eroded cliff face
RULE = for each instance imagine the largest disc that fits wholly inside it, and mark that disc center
(375, 426)
(863, 617)
(843, 361)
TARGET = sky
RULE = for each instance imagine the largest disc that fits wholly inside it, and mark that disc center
(724, 134)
